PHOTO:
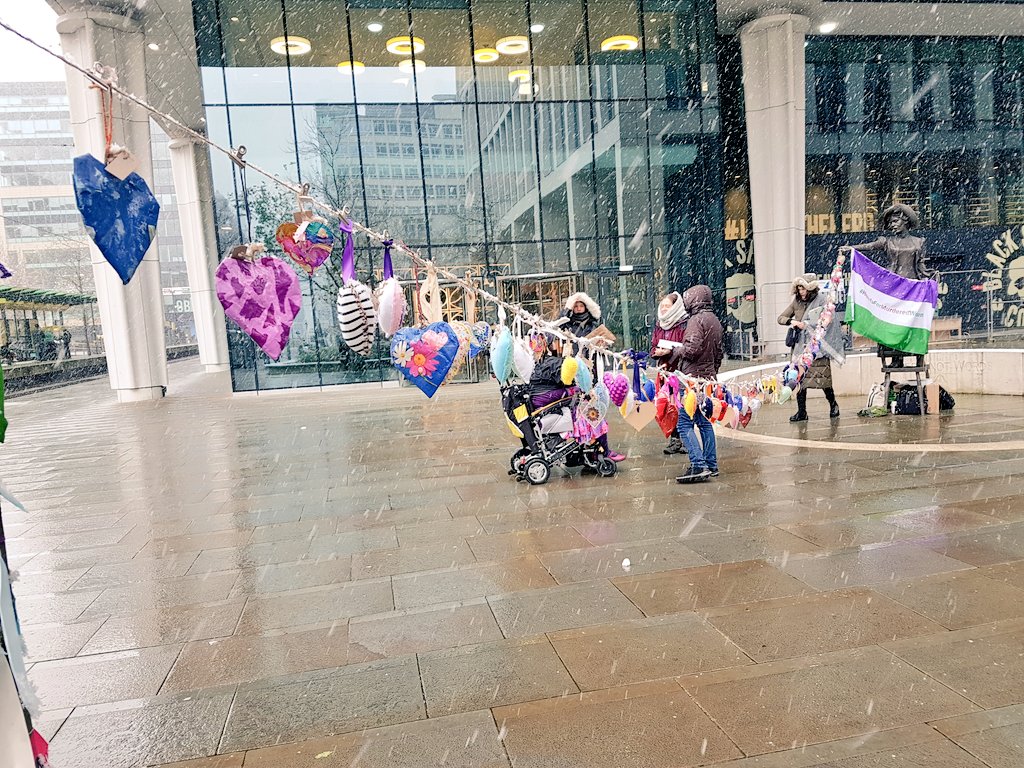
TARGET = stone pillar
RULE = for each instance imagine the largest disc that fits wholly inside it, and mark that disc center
(193, 191)
(773, 91)
(132, 315)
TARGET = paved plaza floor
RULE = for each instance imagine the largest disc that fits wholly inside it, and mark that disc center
(349, 578)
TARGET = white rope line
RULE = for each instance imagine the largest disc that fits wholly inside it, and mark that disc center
(99, 75)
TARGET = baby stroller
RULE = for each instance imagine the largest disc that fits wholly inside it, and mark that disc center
(540, 430)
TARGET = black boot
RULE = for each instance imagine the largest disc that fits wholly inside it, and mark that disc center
(833, 410)
(801, 406)
(675, 445)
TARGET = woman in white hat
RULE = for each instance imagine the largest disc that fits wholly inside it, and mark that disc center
(819, 375)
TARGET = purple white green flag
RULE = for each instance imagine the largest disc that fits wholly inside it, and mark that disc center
(892, 310)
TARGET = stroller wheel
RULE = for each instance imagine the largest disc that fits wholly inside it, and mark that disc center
(516, 462)
(537, 471)
(606, 467)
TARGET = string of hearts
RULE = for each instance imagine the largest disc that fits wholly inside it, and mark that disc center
(775, 388)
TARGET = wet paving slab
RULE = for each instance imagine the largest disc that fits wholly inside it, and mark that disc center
(321, 579)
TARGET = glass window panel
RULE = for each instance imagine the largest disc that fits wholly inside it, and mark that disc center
(616, 49)
(213, 85)
(509, 164)
(560, 50)
(329, 157)
(380, 80)
(447, 53)
(499, 24)
(674, 72)
(1010, 172)
(255, 73)
(393, 166)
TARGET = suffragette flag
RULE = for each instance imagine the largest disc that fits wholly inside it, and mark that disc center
(892, 310)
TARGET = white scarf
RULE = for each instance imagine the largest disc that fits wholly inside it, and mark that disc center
(675, 314)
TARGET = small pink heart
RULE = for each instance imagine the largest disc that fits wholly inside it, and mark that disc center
(262, 297)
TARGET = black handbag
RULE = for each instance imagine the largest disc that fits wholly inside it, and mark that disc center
(792, 336)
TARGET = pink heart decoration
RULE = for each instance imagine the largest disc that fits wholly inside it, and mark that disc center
(262, 297)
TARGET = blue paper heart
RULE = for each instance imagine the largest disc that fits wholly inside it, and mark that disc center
(481, 338)
(425, 355)
(120, 216)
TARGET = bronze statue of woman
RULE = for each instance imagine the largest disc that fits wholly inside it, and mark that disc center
(906, 252)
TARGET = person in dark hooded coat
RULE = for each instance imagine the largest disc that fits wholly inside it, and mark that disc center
(700, 356)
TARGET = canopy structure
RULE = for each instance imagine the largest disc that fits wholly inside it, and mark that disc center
(39, 299)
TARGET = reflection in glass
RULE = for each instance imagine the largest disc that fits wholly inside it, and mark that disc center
(497, 137)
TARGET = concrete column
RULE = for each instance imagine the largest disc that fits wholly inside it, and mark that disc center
(773, 90)
(193, 191)
(132, 316)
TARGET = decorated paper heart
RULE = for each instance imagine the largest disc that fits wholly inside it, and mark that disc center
(425, 355)
(391, 306)
(690, 403)
(309, 244)
(481, 338)
(464, 333)
(262, 297)
(584, 378)
(522, 358)
(356, 316)
(640, 414)
(501, 354)
(592, 412)
(119, 215)
(569, 368)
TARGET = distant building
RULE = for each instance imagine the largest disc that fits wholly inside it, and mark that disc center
(42, 240)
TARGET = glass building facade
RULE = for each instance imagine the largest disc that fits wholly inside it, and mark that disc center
(937, 124)
(540, 148)
(552, 146)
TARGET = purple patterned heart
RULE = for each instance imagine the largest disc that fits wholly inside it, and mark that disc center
(265, 315)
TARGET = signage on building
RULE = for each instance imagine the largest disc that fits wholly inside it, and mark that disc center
(825, 223)
(740, 294)
(1004, 279)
